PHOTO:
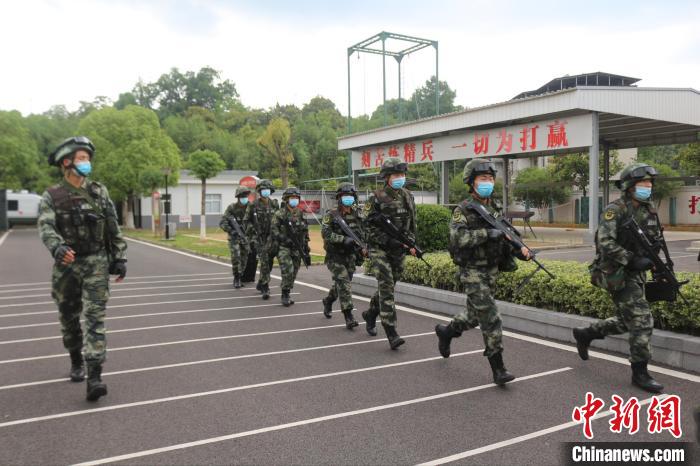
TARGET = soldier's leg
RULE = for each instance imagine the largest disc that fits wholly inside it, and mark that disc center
(389, 270)
(332, 291)
(342, 278)
(95, 295)
(286, 261)
(265, 264)
(235, 249)
(371, 314)
(244, 251)
(597, 331)
(65, 290)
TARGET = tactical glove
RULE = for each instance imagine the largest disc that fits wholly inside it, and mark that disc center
(118, 267)
(61, 252)
(640, 263)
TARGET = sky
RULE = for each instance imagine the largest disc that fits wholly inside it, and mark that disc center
(61, 52)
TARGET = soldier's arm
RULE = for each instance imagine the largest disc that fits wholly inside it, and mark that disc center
(276, 228)
(223, 224)
(374, 234)
(413, 223)
(607, 237)
(327, 232)
(48, 232)
(117, 242)
(460, 233)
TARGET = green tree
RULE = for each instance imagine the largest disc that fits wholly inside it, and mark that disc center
(535, 187)
(689, 159)
(574, 168)
(663, 189)
(205, 164)
(18, 154)
(275, 141)
(129, 143)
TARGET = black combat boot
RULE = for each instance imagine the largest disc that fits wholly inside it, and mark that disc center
(500, 374)
(327, 307)
(350, 321)
(258, 287)
(584, 336)
(394, 339)
(95, 387)
(642, 379)
(445, 334)
(371, 321)
(286, 299)
(77, 369)
(237, 281)
(265, 289)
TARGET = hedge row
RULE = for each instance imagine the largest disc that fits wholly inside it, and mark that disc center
(570, 292)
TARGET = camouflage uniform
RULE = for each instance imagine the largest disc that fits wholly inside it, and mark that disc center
(342, 255)
(288, 255)
(238, 246)
(386, 253)
(258, 218)
(82, 219)
(617, 269)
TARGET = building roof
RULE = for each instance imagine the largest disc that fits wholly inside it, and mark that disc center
(629, 116)
(224, 177)
(598, 78)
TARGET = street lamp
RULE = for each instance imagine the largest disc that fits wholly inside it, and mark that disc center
(166, 202)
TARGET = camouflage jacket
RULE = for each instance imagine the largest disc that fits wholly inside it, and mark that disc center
(235, 210)
(333, 235)
(469, 242)
(280, 230)
(82, 218)
(258, 218)
(399, 207)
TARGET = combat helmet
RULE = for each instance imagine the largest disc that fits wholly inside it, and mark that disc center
(290, 192)
(69, 147)
(243, 191)
(477, 167)
(392, 165)
(345, 188)
(633, 173)
(265, 184)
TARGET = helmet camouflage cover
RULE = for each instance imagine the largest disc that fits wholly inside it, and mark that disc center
(242, 191)
(477, 167)
(392, 165)
(69, 147)
(290, 192)
(345, 188)
(265, 184)
(633, 173)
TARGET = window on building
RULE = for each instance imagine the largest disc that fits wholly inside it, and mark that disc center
(12, 205)
(213, 204)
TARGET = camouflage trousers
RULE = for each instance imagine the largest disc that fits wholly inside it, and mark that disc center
(266, 255)
(289, 260)
(479, 286)
(387, 268)
(83, 288)
(239, 255)
(341, 271)
(633, 316)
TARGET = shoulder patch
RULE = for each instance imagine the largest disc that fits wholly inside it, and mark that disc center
(368, 206)
(327, 219)
(609, 214)
(456, 215)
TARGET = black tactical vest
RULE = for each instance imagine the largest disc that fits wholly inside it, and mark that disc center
(79, 218)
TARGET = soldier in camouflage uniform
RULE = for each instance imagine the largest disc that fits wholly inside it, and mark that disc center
(291, 232)
(342, 253)
(621, 268)
(480, 252)
(258, 218)
(237, 244)
(78, 225)
(387, 253)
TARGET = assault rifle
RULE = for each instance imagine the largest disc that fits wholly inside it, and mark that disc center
(387, 226)
(233, 223)
(513, 237)
(664, 285)
(347, 230)
(294, 236)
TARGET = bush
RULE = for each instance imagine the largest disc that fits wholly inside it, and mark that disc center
(432, 227)
(571, 292)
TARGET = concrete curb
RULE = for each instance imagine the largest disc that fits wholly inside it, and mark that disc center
(674, 349)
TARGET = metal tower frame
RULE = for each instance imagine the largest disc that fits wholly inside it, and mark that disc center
(418, 44)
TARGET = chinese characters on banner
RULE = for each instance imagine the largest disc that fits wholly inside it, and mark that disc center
(662, 414)
(693, 205)
(541, 136)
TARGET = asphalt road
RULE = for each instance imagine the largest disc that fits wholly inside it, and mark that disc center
(200, 373)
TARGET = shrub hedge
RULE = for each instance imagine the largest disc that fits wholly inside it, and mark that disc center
(432, 227)
(571, 292)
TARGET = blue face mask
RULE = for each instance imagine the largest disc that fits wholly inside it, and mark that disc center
(243, 201)
(397, 183)
(265, 192)
(83, 168)
(347, 200)
(485, 189)
(642, 193)
(293, 202)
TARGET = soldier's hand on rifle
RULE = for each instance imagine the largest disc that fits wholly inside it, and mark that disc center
(526, 253)
(640, 263)
(118, 267)
(413, 251)
(365, 253)
(64, 255)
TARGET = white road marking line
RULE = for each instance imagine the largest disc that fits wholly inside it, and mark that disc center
(4, 236)
(209, 361)
(151, 314)
(224, 390)
(121, 288)
(157, 303)
(180, 342)
(539, 341)
(522, 438)
(316, 420)
(184, 324)
(126, 282)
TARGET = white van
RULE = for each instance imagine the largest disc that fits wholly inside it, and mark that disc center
(22, 207)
